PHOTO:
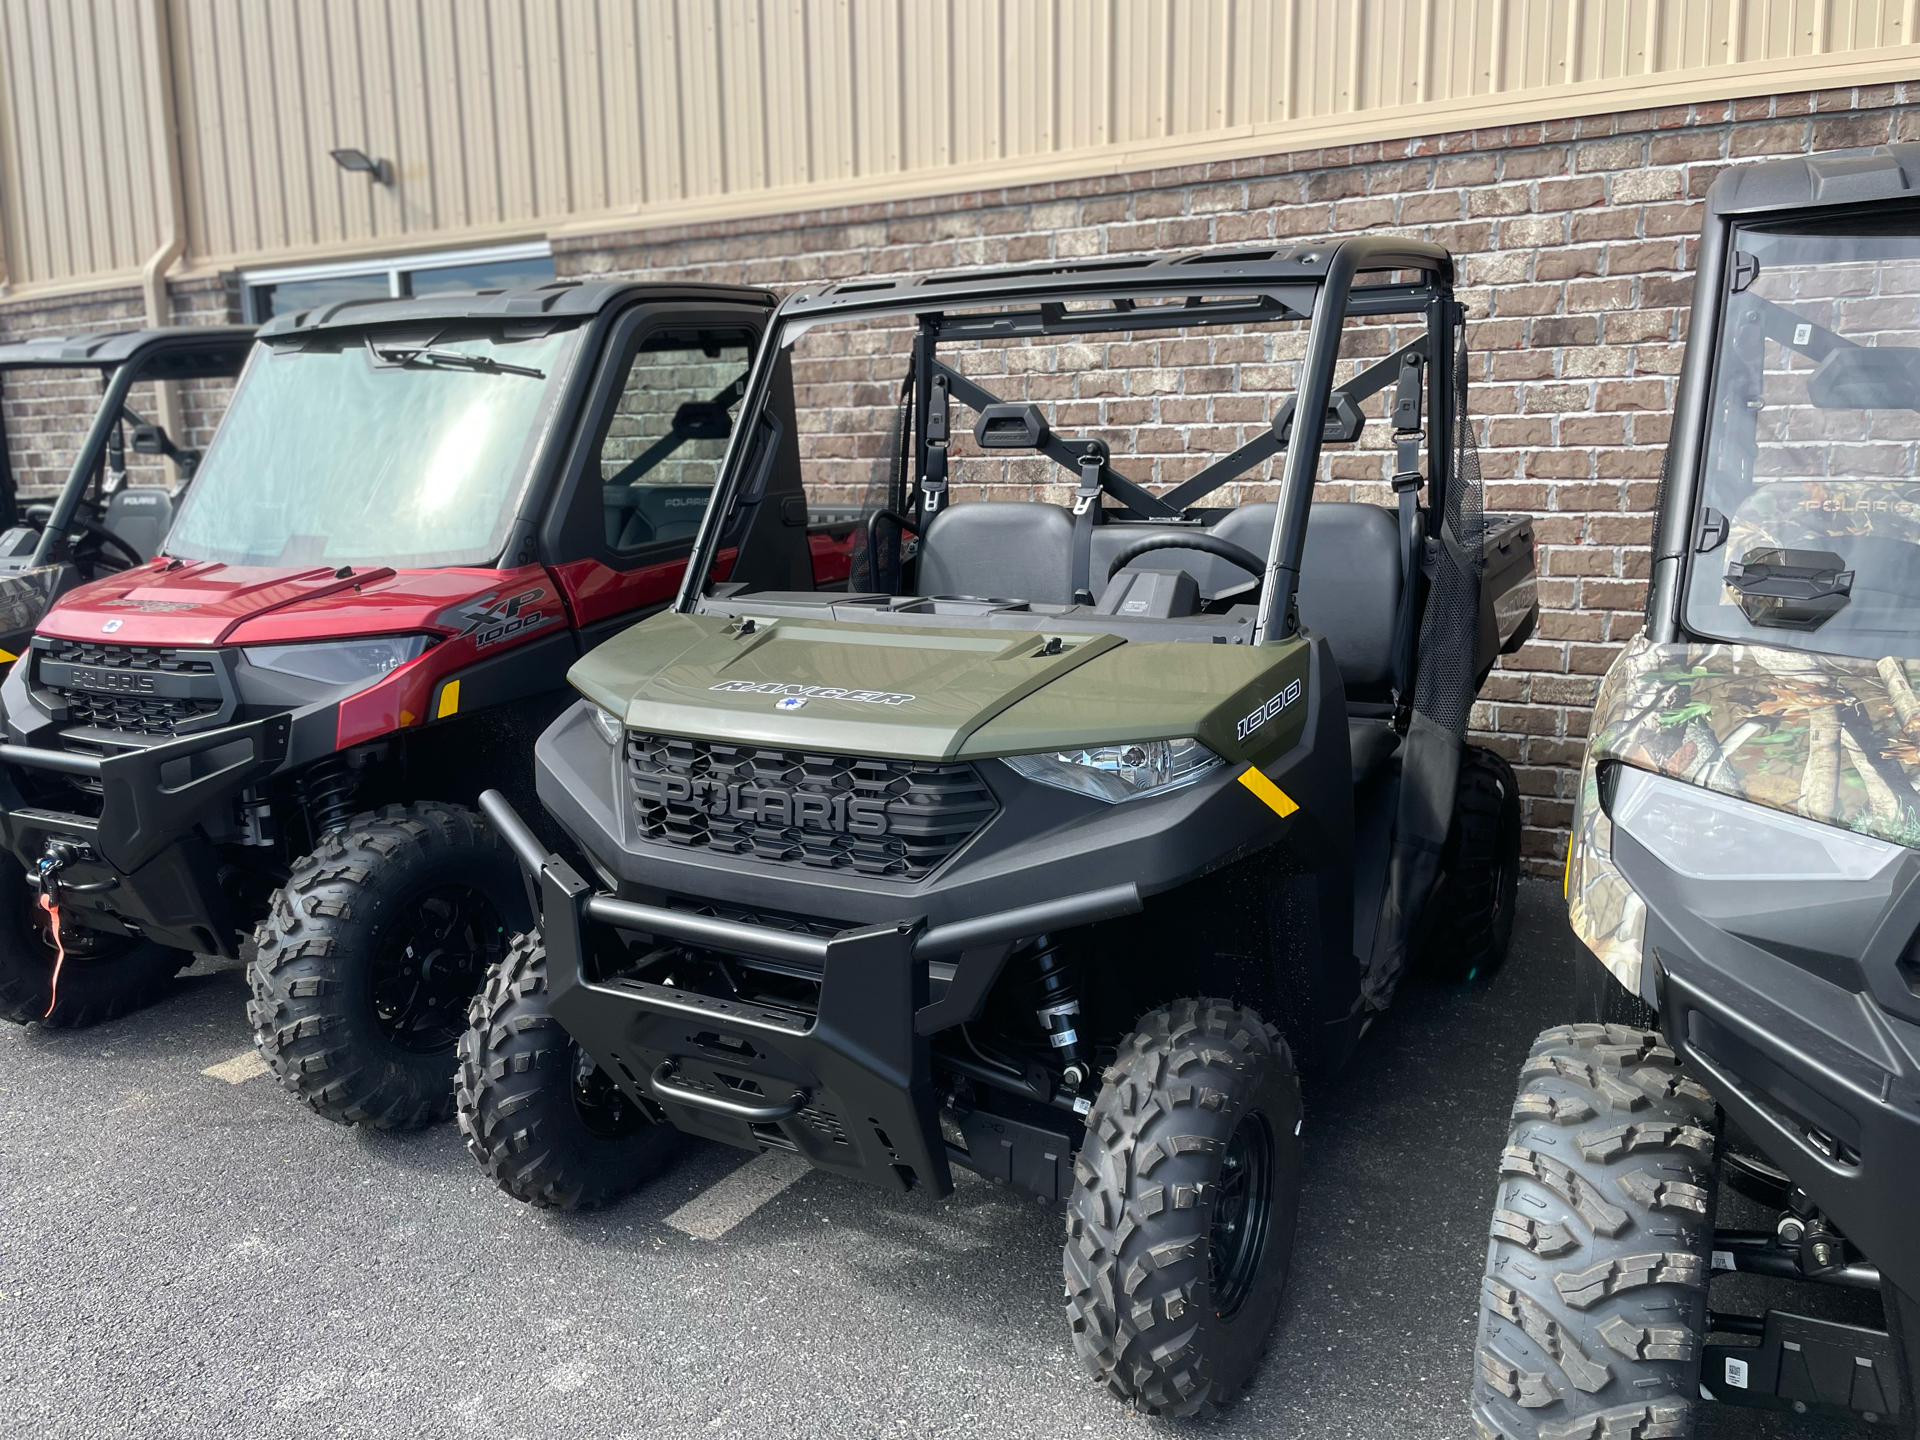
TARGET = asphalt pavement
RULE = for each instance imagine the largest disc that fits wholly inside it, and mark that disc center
(193, 1254)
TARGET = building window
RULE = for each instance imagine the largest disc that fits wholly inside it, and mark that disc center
(266, 293)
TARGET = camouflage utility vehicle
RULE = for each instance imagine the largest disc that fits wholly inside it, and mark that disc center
(99, 523)
(1738, 1109)
(415, 515)
(1113, 789)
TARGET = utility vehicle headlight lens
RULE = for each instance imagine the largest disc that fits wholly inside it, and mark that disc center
(350, 662)
(1120, 772)
(1705, 836)
(607, 723)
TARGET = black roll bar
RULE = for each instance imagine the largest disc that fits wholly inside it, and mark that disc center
(68, 501)
(1349, 258)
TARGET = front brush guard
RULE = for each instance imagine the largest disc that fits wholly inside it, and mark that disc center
(149, 798)
(850, 1088)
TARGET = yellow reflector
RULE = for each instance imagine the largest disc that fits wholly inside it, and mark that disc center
(7, 657)
(449, 700)
(1271, 795)
(1566, 875)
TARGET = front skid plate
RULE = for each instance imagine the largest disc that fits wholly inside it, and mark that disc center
(866, 1074)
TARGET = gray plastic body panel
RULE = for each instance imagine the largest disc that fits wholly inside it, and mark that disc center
(1839, 177)
(108, 350)
(555, 299)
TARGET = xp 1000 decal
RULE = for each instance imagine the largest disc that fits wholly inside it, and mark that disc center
(493, 618)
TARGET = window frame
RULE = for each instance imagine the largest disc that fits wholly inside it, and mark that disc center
(575, 525)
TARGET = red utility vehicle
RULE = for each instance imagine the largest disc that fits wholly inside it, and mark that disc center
(414, 517)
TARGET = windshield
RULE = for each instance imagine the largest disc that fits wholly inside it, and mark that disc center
(1808, 532)
(412, 452)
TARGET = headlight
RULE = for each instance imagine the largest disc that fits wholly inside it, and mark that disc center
(607, 723)
(352, 662)
(1706, 836)
(1120, 772)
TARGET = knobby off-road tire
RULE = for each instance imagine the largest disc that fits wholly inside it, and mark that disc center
(1473, 909)
(546, 1125)
(1594, 1304)
(1198, 1118)
(104, 976)
(370, 954)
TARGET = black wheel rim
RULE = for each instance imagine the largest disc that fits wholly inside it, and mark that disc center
(603, 1107)
(1242, 1215)
(430, 962)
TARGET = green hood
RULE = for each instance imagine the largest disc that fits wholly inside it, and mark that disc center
(931, 694)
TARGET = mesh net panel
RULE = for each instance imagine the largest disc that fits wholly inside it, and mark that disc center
(1443, 692)
(878, 569)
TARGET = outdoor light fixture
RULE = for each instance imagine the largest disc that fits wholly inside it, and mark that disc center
(358, 161)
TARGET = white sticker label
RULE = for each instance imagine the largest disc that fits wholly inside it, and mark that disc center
(1802, 334)
(1736, 1373)
(1723, 1260)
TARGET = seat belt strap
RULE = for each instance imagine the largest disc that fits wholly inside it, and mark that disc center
(933, 482)
(1086, 514)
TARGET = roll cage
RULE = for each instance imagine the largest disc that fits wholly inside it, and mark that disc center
(1312, 282)
(122, 359)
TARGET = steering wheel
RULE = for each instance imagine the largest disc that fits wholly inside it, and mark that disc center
(103, 539)
(1226, 550)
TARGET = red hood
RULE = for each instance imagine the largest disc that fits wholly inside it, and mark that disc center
(205, 603)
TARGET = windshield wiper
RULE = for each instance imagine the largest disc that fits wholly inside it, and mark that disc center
(433, 355)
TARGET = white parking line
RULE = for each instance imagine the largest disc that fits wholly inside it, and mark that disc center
(239, 1069)
(724, 1204)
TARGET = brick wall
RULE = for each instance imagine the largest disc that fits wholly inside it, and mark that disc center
(1575, 244)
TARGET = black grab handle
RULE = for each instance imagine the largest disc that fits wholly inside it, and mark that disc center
(663, 1086)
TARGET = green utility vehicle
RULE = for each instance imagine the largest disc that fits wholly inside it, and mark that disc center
(1113, 790)
(1733, 1125)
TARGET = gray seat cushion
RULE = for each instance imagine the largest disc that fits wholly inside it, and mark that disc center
(1349, 587)
(141, 517)
(999, 550)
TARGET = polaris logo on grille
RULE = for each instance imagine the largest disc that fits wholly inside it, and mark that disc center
(1267, 711)
(775, 805)
(812, 692)
(111, 682)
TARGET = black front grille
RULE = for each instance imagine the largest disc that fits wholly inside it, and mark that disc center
(146, 658)
(192, 689)
(897, 818)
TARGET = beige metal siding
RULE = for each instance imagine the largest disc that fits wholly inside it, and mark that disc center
(508, 118)
(81, 180)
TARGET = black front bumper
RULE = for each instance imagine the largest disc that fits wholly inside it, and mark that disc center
(145, 864)
(1788, 1007)
(850, 1087)
(1793, 1006)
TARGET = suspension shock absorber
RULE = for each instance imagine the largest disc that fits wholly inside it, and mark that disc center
(328, 790)
(1055, 988)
